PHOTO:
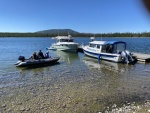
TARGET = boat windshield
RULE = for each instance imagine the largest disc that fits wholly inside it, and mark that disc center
(108, 48)
(66, 40)
(95, 46)
(119, 47)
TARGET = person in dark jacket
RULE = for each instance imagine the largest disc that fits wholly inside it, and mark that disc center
(40, 55)
(34, 56)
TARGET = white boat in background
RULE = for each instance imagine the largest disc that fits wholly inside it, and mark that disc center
(114, 51)
(53, 38)
(64, 43)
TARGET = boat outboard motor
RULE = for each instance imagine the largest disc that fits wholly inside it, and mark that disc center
(124, 57)
(130, 58)
(22, 58)
(127, 57)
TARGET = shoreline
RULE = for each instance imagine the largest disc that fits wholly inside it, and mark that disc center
(76, 37)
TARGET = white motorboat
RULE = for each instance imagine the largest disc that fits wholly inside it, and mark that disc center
(53, 38)
(114, 51)
(64, 43)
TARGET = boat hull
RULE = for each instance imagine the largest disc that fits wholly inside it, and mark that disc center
(66, 47)
(104, 56)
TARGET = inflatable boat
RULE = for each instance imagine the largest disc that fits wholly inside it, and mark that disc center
(22, 62)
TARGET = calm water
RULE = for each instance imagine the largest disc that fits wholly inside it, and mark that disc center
(76, 84)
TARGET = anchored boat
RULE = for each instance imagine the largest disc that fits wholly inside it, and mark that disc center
(114, 51)
(64, 43)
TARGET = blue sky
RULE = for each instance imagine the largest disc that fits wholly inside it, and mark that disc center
(94, 16)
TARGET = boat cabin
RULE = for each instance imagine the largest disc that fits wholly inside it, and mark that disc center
(108, 46)
(64, 39)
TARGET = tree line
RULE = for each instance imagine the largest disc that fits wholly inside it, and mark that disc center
(144, 34)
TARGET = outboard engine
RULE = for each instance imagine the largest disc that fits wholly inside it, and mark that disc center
(21, 58)
(127, 57)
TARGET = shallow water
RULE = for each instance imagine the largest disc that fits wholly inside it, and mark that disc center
(76, 84)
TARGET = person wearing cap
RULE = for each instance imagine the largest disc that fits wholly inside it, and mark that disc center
(47, 54)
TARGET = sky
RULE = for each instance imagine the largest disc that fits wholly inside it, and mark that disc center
(86, 16)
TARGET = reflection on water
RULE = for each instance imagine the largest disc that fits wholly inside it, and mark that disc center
(95, 64)
(68, 57)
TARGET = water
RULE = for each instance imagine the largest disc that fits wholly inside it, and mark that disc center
(76, 84)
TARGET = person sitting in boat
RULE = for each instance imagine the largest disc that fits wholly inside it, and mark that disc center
(40, 55)
(47, 54)
(34, 56)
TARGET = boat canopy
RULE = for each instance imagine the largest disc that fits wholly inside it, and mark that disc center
(109, 46)
(107, 42)
(114, 42)
(98, 42)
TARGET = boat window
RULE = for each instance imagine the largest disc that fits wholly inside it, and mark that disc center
(63, 40)
(115, 48)
(90, 45)
(119, 47)
(70, 40)
(93, 45)
(66, 40)
(104, 48)
(107, 48)
(98, 46)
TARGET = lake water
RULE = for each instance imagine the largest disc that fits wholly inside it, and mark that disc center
(77, 84)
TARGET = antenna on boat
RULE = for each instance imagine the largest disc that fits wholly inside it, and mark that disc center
(92, 38)
(68, 33)
(58, 33)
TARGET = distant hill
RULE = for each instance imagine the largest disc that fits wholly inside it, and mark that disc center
(58, 31)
